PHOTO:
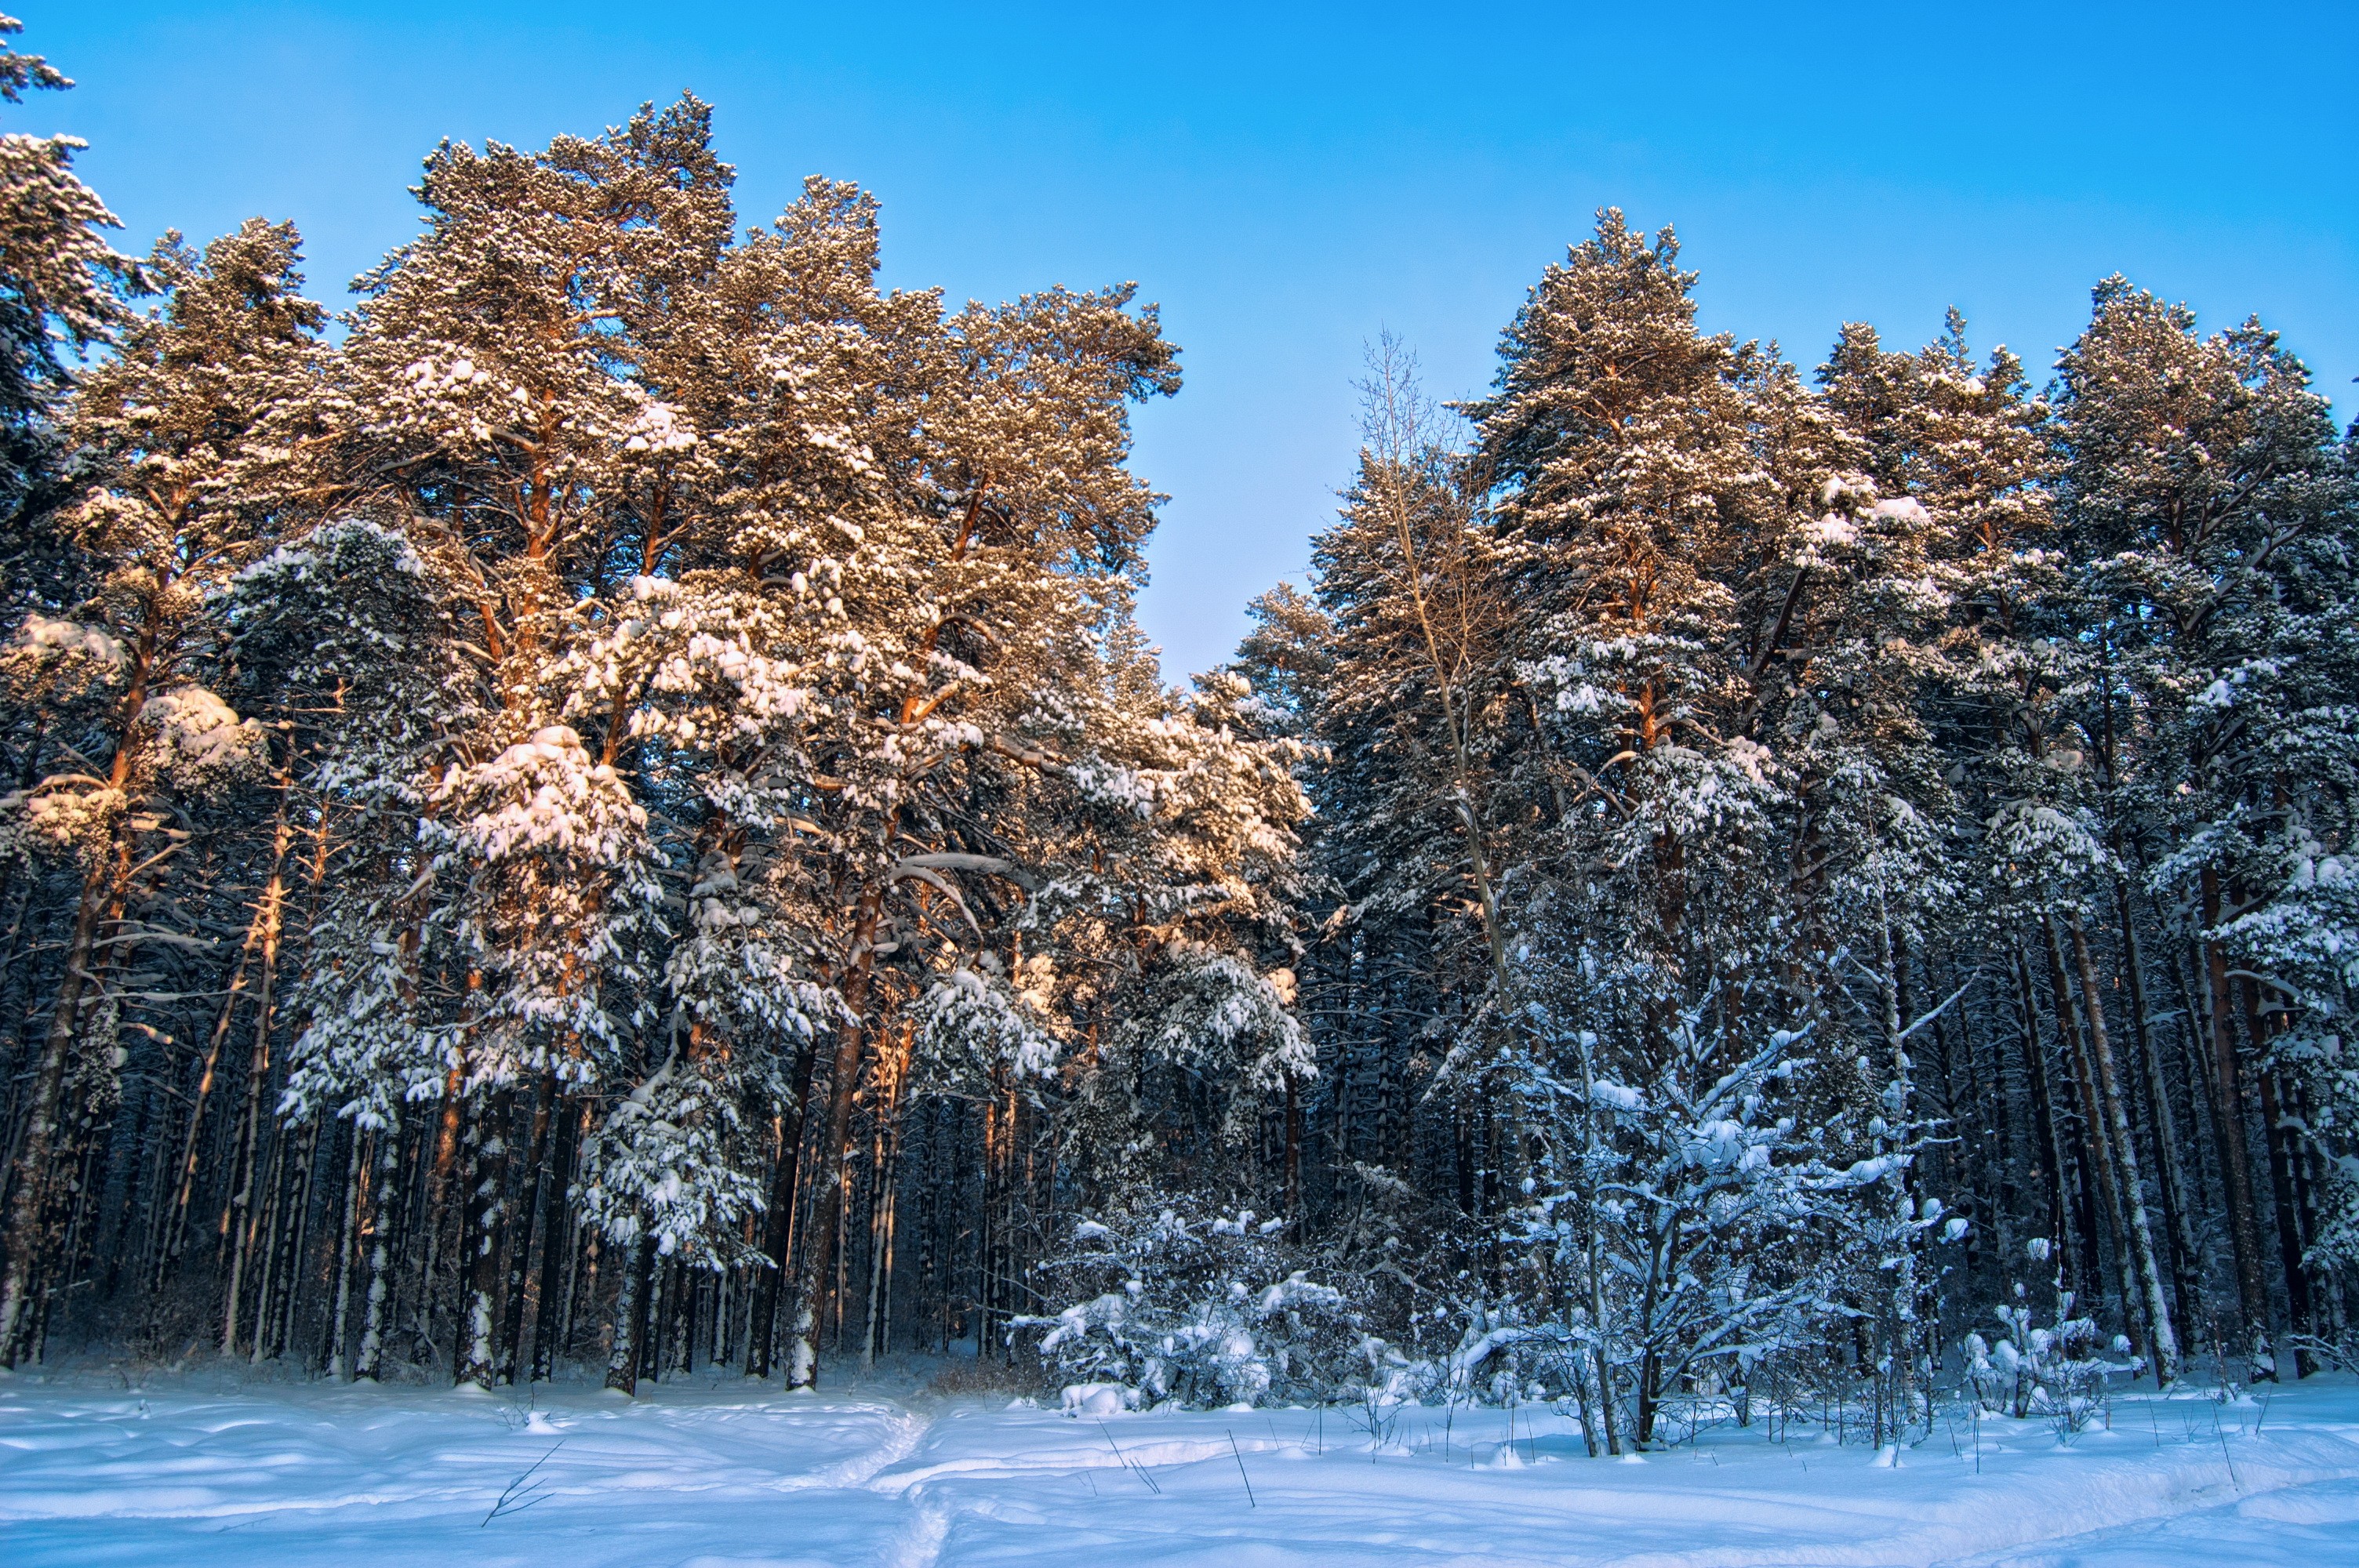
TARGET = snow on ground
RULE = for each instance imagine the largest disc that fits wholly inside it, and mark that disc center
(187, 1470)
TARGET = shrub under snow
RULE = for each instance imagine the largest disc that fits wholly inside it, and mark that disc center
(1202, 1310)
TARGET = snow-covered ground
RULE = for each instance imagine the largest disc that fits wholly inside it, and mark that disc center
(188, 1470)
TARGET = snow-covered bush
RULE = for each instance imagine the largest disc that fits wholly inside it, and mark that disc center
(1203, 1310)
(1672, 1221)
(2053, 1370)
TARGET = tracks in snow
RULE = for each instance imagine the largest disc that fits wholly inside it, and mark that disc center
(905, 1430)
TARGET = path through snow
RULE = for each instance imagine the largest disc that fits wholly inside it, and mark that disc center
(174, 1471)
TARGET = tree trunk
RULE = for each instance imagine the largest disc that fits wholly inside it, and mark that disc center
(486, 1216)
(2161, 1336)
(631, 1318)
(2043, 1107)
(28, 1205)
(2235, 1161)
(291, 1232)
(2098, 1182)
(531, 1197)
(435, 1216)
(176, 1225)
(2282, 1155)
(555, 1246)
(2170, 1178)
(779, 1226)
(886, 1159)
(1293, 1160)
(239, 1219)
(827, 1217)
(348, 1235)
(367, 1362)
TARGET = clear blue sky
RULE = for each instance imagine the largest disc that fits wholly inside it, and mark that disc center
(1287, 181)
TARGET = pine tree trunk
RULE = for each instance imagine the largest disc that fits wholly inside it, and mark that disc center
(779, 1224)
(884, 1305)
(581, 1281)
(28, 1205)
(1593, 1255)
(239, 1221)
(2170, 1179)
(1997, 1242)
(2199, 1103)
(2236, 1162)
(262, 1235)
(2098, 1185)
(176, 1226)
(81, 1200)
(434, 1217)
(1903, 1298)
(2334, 1318)
(826, 1217)
(2161, 1336)
(2282, 1157)
(477, 1359)
(631, 1318)
(157, 1182)
(288, 1230)
(348, 1235)
(556, 1249)
(1293, 1160)
(532, 1198)
(887, 1157)
(130, 1164)
(368, 1360)
(658, 1356)
(2043, 1105)
(1991, 1130)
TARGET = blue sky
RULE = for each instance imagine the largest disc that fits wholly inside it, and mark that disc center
(1290, 181)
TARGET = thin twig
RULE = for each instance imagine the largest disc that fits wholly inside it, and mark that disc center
(1128, 1463)
(1241, 1471)
(2221, 1433)
(535, 1496)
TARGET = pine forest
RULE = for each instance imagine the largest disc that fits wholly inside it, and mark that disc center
(604, 815)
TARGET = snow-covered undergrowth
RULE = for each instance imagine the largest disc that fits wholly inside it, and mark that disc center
(183, 1470)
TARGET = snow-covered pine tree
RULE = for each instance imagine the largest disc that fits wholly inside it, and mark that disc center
(1635, 509)
(485, 400)
(1968, 447)
(61, 293)
(2209, 508)
(347, 629)
(956, 602)
(161, 528)
(1409, 693)
(1873, 880)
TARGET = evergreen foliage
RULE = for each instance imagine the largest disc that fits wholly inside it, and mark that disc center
(614, 812)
